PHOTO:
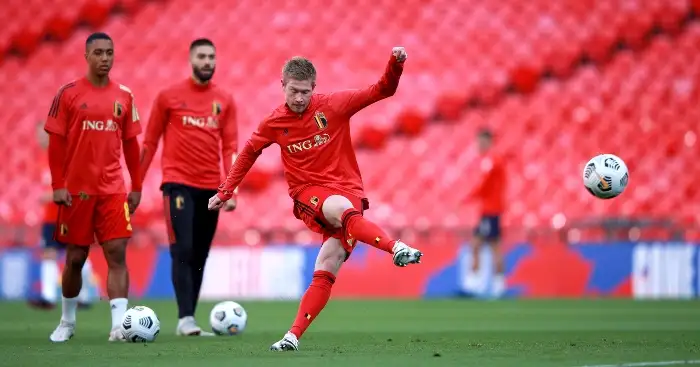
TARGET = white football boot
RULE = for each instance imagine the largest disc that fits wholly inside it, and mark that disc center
(404, 255)
(187, 326)
(116, 335)
(289, 343)
(63, 332)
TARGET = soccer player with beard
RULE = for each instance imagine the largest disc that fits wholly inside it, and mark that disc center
(195, 118)
(313, 131)
(90, 121)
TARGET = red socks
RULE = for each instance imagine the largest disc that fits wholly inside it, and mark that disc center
(313, 301)
(361, 229)
(319, 291)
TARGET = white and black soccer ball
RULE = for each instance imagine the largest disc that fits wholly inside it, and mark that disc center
(228, 318)
(140, 325)
(605, 176)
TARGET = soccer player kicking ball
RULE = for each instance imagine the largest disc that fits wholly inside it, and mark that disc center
(88, 123)
(196, 117)
(313, 131)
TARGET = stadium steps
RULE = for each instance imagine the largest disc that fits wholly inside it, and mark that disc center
(155, 36)
(634, 36)
(26, 24)
(395, 198)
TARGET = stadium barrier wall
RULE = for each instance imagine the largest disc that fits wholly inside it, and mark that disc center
(639, 270)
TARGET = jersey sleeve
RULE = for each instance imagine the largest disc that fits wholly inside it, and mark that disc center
(59, 113)
(132, 123)
(262, 137)
(154, 130)
(349, 102)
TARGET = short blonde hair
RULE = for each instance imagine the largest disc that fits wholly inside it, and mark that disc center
(299, 68)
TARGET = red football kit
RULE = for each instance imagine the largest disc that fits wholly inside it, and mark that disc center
(87, 125)
(195, 121)
(317, 152)
(490, 191)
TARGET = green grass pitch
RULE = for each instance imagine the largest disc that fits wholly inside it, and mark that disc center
(518, 333)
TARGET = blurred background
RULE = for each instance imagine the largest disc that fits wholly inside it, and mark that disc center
(555, 82)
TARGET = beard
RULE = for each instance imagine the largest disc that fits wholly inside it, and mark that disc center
(203, 76)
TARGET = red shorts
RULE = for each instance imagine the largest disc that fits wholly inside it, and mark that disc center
(105, 217)
(307, 208)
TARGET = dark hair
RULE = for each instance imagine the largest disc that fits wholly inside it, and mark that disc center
(201, 42)
(97, 36)
(485, 132)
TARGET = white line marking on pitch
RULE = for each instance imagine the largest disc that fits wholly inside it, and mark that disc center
(647, 364)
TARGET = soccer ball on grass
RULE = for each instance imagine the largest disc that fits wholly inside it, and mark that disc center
(228, 318)
(605, 176)
(140, 325)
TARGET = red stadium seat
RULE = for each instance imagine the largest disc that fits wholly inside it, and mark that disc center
(626, 103)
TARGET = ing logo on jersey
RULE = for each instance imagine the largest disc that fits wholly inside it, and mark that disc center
(216, 108)
(118, 109)
(321, 121)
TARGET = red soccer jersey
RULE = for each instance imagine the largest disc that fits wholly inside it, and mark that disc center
(94, 121)
(316, 146)
(196, 120)
(491, 189)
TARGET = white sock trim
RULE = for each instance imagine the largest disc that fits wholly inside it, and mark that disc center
(68, 309)
(118, 307)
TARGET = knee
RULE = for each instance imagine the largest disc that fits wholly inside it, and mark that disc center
(181, 251)
(115, 254)
(331, 261)
(334, 207)
(76, 257)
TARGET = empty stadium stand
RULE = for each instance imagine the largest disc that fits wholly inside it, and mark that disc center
(558, 81)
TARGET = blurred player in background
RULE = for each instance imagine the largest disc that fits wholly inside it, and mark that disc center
(48, 274)
(489, 193)
(195, 118)
(313, 131)
(89, 122)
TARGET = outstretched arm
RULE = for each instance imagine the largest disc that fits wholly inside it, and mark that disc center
(352, 101)
(244, 162)
(261, 139)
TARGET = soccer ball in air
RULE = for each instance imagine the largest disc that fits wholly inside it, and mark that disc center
(228, 318)
(605, 176)
(140, 325)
